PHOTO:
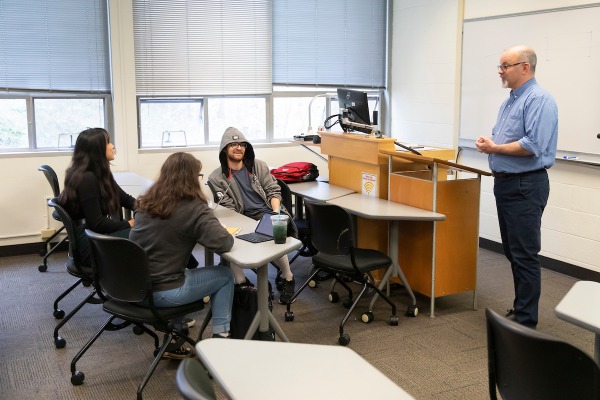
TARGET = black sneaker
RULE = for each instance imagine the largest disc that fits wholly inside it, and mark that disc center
(179, 353)
(219, 336)
(245, 283)
(510, 313)
(190, 322)
(288, 288)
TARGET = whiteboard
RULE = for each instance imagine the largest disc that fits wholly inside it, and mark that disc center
(567, 44)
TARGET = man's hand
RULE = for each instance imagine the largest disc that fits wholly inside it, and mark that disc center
(485, 144)
(488, 146)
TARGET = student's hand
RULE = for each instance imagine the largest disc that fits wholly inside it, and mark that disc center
(131, 222)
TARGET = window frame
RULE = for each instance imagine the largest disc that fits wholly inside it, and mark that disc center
(31, 96)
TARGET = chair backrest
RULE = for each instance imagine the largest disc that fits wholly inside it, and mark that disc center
(330, 228)
(526, 364)
(67, 221)
(213, 191)
(120, 267)
(52, 178)
(193, 381)
(286, 196)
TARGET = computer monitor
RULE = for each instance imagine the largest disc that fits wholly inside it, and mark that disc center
(357, 104)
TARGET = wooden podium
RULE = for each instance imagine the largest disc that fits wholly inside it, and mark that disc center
(437, 258)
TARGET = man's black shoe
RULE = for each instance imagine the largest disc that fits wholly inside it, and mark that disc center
(510, 313)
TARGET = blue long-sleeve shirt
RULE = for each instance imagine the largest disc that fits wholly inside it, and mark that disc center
(529, 116)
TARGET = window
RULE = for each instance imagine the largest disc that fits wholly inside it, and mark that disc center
(255, 65)
(171, 122)
(54, 71)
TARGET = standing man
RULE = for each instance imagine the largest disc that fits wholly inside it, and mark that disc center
(522, 147)
(245, 184)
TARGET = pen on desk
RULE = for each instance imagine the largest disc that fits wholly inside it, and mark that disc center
(570, 157)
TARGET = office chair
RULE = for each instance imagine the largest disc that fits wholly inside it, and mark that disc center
(76, 268)
(526, 364)
(44, 252)
(332, 234)
(122, 279)
(193, 381)
(307, 249)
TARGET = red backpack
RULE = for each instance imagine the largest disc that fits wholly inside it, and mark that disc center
(296, 172)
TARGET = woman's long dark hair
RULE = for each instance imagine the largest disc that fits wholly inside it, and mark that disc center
(178, 181)
(90, 155)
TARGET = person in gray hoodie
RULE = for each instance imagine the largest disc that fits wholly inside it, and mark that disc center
(245, 184)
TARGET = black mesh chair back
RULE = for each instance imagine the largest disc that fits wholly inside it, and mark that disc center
(44, 252)
(121, 268)
(330, 227)
(193, 381)
(332, 234)
(52, 178)
(213, 191)
(526, 364)
(307, 249)
(76, 267)
(122, 279)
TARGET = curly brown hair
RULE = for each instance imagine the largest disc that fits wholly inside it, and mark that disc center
(178, 181)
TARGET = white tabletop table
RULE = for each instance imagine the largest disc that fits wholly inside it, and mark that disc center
(581, 306)
(132, 183)
(316, 190)
(244, 369)
(256, 255)
(374, 208)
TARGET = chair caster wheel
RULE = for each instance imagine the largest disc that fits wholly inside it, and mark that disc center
(43, 268)
(289, 316)
(86, 283)
(412, 311)
(77, 378)
(137, 330)
(344, 339)
(312, 284)
(368, 317)
(394, 320)
(206, 299)
(58, 314)
(334, 297)
(59, 342)
(348, 303)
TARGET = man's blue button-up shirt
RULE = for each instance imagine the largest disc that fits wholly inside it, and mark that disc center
(529, 116)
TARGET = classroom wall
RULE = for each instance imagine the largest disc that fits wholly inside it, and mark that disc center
(426, 45)
(23, 205)
(424, 104)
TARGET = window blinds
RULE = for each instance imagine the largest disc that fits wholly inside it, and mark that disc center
(51, 45)
(217, 47)
(334, 42)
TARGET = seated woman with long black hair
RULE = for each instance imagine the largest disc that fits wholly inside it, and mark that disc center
(90, 195)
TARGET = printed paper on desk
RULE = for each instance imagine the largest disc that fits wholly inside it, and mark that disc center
(369, 184)
(233, 231)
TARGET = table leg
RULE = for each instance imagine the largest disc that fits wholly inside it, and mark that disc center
(395, 267)
(597, 348)
(264, 317)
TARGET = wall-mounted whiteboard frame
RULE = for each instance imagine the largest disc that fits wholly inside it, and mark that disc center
(567, 43)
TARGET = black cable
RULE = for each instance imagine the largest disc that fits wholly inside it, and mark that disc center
(407, 148)
(339, 120)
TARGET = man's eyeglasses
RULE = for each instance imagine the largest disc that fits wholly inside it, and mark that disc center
(505, 67)
(201, 176)
(236, 144)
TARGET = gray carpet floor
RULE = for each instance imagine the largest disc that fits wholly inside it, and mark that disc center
(431, 358)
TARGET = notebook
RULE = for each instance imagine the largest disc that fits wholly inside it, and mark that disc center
(263, 231)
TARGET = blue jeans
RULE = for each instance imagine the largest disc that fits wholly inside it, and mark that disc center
(520, 201)
(215, 281)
